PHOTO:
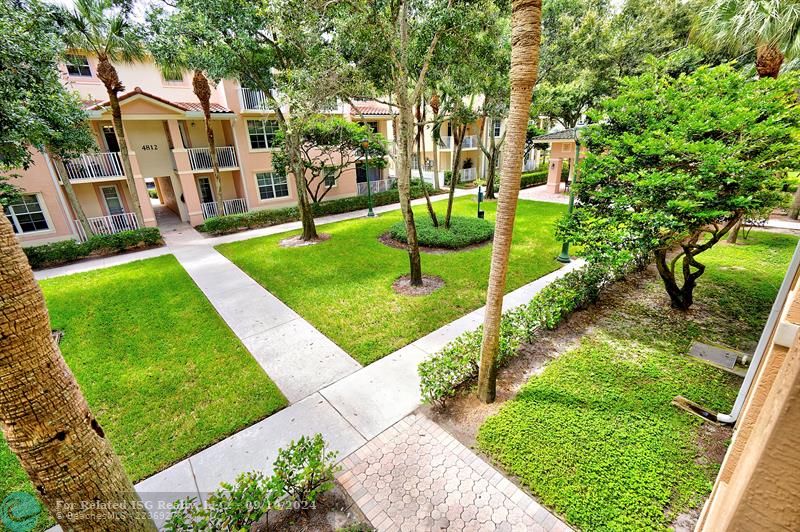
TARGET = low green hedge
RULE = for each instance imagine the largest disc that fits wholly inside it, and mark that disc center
(457, 363)
(233, 223)
(527, 180)
(65, 251)
(463, 232)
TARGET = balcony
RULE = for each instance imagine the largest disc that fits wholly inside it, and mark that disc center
(468, 142)
(255, 99)
(231, 206)
(108, 225)
(380, 185)
(94, 166)
(200, 158)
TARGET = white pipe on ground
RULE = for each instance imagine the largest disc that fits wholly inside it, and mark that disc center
(766, 337)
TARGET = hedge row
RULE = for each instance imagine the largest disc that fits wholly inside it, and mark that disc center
(527, 180)
(65, 251)
(458, 361)
(233, 223)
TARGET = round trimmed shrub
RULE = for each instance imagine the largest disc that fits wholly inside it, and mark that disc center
(463, 232)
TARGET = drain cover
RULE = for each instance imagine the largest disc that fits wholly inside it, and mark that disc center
(720, 356)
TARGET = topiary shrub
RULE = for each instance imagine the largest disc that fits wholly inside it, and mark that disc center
(58, 253)
(463, 232)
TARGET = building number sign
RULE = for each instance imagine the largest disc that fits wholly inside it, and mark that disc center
(149, 147)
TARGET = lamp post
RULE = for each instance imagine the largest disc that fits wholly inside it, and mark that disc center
(365, 147)
(564, 256)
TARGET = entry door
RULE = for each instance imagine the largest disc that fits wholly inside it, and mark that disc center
(112, 199)
(111, 138)
(204, 188)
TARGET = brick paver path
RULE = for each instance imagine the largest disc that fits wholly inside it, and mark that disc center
(416, 476)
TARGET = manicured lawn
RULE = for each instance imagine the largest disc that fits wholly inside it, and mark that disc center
(595, 437)
(344, 286)
(158, 366)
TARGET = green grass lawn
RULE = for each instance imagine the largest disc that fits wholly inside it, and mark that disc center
(344, 286)
(160, 369)
(595, 437)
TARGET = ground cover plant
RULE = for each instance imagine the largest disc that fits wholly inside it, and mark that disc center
(146, 348)
(463, 232)
(594, 436)
(344, 286)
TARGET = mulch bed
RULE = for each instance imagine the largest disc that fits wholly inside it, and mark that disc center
(334, 510)
(387, 240)
(298, 242)
(430, 284)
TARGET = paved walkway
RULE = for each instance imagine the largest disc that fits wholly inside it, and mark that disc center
(416, 476)
(540, 193)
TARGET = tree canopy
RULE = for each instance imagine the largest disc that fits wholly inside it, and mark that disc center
(675, 162)
(37, 111)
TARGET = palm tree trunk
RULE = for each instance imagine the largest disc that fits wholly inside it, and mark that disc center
(45, 419)
(203, 92)
(420, 158)
(768, 60)
(435, 102)
(526, 16)
(458, 136)
(72, 198)
(108, 75)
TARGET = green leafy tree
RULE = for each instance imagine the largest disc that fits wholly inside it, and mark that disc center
(328, 146)
(104, 28)
(675, 162)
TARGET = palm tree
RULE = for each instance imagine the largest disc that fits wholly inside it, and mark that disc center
(45, 418)
(770, 27)
(72, 198)
(102, 28)
(526, 17)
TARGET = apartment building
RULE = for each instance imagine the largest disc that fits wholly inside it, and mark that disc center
(169, 151)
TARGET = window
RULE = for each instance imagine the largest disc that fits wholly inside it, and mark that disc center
(112, 199)
(497, 123)
(330, 177)
(204, 187)
(262, 133)
(78, 65)
(373, 126)
(172, 77)
(271, 186)
(28, 215)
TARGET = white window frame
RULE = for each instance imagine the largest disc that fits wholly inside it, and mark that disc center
(79, 67)
(271, 185)
(105, 199)
(325, 172)
(497, 126)
(210, 188)
(272, 124)
(12, 215)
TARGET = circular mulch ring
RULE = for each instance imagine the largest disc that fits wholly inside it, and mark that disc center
(298, 242)
(430, 284)
(387, 240)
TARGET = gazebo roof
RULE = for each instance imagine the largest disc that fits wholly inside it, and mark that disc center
(564, 134)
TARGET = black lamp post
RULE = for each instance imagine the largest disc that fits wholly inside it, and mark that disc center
(365, 147)
(564, 256)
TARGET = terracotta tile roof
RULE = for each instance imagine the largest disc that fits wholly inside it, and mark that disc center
(370, 108)
(183, 106)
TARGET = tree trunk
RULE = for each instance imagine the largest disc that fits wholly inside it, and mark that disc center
(455, 176)
(405, 137)
(435, 102)
(768, 60)
(526, 16)
(72, 198)
(108, 75)
(681, 298)
(45, 419)
(203, 92)
(292, 142)
(794, 210)
(420, 157)
(733, 236)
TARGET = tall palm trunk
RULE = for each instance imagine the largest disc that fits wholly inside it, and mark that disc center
(491, 153)
(526, 16)
(72, 198)
(45, 419)
(768, 60)
(435, 102)
(202, 90)
(420, 157)
(108, 75)
(458, 136)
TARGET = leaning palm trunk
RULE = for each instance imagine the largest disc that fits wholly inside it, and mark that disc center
(526, 18)
(203, 92)
(420, 158)
(108, 75)
(455, 175)
(45, 419)
(72, 198)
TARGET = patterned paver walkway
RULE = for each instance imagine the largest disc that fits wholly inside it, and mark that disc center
(416, 476)
(540, 193)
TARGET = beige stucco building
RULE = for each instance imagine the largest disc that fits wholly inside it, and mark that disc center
(169, 152)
